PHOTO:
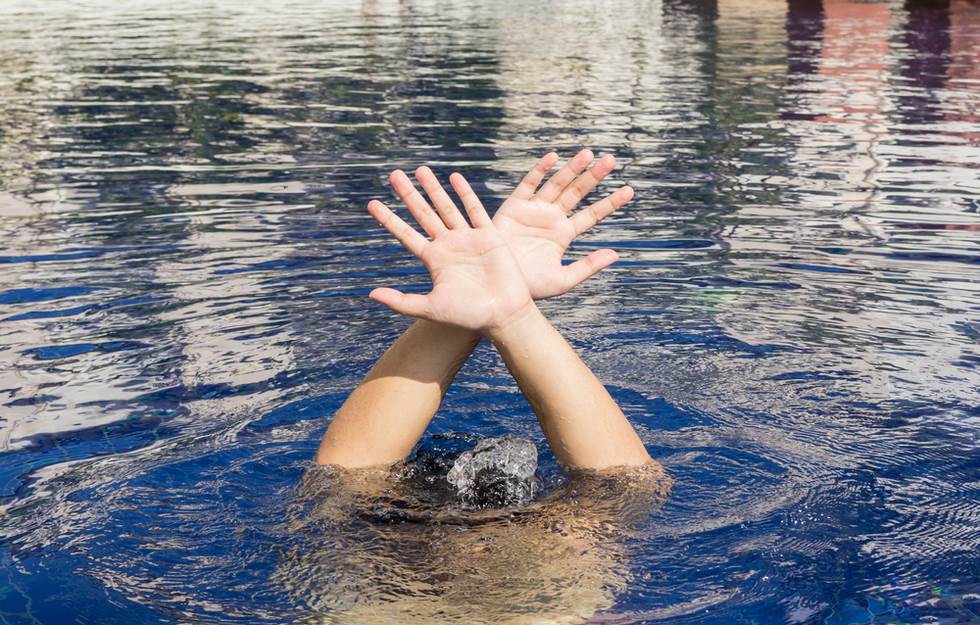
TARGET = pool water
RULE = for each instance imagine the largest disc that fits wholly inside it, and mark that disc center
(794, 326)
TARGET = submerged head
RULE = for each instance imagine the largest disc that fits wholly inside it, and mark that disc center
(380, 548)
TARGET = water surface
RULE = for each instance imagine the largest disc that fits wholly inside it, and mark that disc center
(794, 326)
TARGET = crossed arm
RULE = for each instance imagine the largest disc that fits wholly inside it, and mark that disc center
(486, 275)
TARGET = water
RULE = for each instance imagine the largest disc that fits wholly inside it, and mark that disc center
(495, 473)
(793, 328)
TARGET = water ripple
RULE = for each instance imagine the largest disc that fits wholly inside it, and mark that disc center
(185, 259)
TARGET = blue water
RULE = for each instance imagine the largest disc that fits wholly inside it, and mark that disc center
(793, 329)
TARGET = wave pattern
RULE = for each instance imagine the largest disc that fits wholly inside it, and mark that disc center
(184, 259)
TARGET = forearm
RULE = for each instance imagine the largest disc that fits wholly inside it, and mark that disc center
(386, 415)
(584, 426)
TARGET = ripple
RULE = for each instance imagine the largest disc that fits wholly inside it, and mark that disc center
(792, 327)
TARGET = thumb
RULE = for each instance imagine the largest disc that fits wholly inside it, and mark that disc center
(410, 304)
(582, 270)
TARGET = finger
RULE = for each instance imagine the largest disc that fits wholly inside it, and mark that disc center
(420, 209)
(557, 183)
(411, 304)
(443, 203)
(582, 270)
(594, 213)
(525, 190)
(584, 184)
(474, 208)
(406, 235)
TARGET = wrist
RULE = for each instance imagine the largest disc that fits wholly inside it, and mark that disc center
(516, 324)
(441, 332)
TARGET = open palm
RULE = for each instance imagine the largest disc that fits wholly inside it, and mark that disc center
(538, 224)
(476, 282)
(485, 272)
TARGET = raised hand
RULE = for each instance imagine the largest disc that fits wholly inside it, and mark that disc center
(538, 224)
(479, 285)
(476, 281)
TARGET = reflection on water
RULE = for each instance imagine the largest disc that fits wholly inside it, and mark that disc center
(184, 259)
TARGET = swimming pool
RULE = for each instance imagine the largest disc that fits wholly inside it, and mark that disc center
(794, 326)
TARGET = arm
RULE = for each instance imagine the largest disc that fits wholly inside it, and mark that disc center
(387, 413)
(385, 416)
(583, 424)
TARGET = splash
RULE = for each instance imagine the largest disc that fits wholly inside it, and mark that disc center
(498, 472)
